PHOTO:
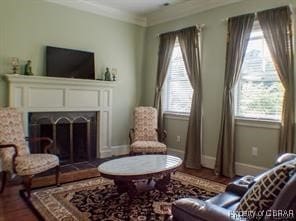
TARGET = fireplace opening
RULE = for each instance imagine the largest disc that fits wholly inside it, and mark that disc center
(74, 134)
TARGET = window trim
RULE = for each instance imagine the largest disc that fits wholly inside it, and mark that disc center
(257, 123)
(176, 115)
(244, 122)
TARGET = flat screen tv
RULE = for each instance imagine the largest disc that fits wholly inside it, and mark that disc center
(62, 62)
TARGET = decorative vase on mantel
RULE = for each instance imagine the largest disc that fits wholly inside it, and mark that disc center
(28, 68)
(107, 75)
(15, 65)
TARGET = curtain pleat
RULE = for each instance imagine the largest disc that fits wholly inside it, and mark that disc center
(189, 43)
(277, 30)
(166, 47)
(239, 30)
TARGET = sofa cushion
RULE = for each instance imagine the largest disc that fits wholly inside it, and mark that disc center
(225, 199)
(241, 186)
(188, 209)
(263, 193)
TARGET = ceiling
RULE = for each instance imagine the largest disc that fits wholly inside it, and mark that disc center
(144, 12)
(137, 7)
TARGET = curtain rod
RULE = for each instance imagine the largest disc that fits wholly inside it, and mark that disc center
(226, 19)
(256, 12)
(199, 27)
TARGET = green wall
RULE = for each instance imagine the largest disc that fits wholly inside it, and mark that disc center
(213, 65)
(27, 26)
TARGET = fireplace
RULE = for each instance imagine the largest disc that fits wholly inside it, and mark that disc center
(74, 134)
(71, 103)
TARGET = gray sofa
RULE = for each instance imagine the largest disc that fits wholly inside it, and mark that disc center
(221, 207)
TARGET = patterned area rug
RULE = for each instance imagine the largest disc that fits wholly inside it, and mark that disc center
(97, 199)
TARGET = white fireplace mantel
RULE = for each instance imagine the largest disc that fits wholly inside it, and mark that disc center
(46, 94)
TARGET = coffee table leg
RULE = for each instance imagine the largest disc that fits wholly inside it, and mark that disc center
(122, 186)
(132, 190)
(126, 187)
(161, 184)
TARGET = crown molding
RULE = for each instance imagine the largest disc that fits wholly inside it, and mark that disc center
(165, 14)
(185, 9)
(102, 10)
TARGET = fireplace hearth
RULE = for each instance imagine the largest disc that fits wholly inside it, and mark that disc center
(74, 134)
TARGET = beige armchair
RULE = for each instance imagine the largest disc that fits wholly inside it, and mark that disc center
(145, 137)
(14, 152)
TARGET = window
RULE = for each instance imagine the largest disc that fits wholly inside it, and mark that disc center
(259, 92)
(177, 89)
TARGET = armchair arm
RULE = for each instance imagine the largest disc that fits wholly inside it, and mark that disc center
(240, 186)
(38, 139)
(162, 134)
(131, 135)
(194, 210)
(14, 154)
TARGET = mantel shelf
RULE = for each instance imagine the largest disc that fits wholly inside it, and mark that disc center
(17, 78)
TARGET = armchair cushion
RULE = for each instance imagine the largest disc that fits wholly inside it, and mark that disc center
(32, 164)
(263, 193)
(145, 124)
(148, 147)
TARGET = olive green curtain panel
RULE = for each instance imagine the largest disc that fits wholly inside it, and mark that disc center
(189, 43)
(166, 47)
(239, 30)
(277, 30)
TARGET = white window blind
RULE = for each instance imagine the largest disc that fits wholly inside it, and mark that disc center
(177, 88)
(259, 93)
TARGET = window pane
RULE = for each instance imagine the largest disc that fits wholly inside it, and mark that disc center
(178, 88)
(259, 91)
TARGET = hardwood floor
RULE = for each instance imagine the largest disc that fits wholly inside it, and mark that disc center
(14, 208)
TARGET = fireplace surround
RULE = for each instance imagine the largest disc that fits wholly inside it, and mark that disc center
(37, 95)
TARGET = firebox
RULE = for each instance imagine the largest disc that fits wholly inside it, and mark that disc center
(74, 134)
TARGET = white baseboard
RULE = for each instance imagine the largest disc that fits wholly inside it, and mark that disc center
(176, 152)
(120, 150)
(114, 151)
(208, 161)
(105, 153)
(241, 169)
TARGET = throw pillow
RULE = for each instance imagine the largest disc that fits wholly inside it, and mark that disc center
(262, 194)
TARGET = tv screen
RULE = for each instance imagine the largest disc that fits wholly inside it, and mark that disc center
(62, 62)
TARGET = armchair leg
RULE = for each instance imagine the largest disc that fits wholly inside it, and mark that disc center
(3, 182)
(28, 184)
(58, 173)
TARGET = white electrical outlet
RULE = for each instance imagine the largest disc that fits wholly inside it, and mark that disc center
(255, 151)
(178, 139)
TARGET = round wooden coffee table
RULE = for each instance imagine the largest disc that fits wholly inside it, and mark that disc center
(126, 172)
